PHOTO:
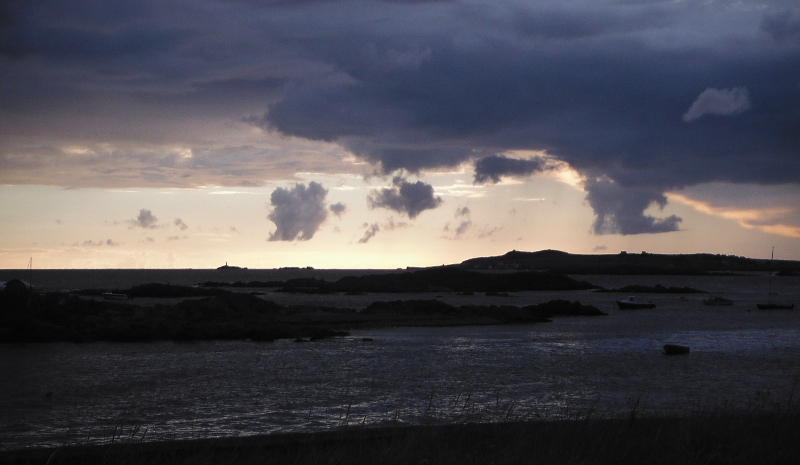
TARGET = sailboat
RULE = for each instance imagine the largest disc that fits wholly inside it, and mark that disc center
(770, 305)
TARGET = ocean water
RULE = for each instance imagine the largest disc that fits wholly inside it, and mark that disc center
(55, 394)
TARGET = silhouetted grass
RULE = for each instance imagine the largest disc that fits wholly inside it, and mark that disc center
(763, 432)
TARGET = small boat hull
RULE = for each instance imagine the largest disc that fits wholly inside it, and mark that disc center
(675, 349)
(718, 302)
(631, 304)
(113, 296)
(775, 306)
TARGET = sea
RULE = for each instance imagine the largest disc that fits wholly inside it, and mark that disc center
(59, 394)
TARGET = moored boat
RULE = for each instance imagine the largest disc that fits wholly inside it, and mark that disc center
(631, 303)
(114, 296)
(675, 349)
(774, 306)
(717, 301)
(770, 305)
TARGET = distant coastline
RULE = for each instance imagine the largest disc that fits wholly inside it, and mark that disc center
(623, 263)
(230, 267)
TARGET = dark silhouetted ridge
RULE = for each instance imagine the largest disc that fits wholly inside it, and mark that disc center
(629, 263)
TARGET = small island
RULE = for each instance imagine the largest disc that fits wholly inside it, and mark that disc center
(218, 314)
(230, 267)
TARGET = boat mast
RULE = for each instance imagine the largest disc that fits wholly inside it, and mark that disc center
(769, 282)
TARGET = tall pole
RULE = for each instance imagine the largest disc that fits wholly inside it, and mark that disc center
(769, 288)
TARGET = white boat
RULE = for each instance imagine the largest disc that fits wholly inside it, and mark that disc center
(631, 303)
(114, 296)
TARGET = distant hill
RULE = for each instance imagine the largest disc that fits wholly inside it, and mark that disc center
(623, 263)
(230, 267)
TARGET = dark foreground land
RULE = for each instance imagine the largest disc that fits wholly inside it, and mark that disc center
(715, 438)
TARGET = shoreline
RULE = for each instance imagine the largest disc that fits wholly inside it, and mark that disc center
(717, 436)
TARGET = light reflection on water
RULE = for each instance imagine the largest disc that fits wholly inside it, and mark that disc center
(240, 388)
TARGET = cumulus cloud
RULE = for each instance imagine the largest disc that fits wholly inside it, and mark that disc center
(107, 242)
(298, 212)
(620, 210)
(405, 197)
(488, 231)
(180, 224)
(372, 230)
(721, 102)
(463, 227)
(494, 167)
(145, 220)
(388, 225)
(338, 208)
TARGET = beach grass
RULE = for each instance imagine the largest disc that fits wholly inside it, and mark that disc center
(765, 432)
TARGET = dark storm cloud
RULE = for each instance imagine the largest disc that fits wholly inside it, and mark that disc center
(590, 22)
(617, 110)
(145, 220)
(88, 31)
(621, 211)
(494, 167)
(405, 197)
(298, 212)
(631, 91)
(783, 25)
(597, 93)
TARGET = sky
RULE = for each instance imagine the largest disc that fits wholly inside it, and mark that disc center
(386, 134)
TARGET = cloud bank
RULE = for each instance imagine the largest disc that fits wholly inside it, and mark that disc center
(651, 95)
